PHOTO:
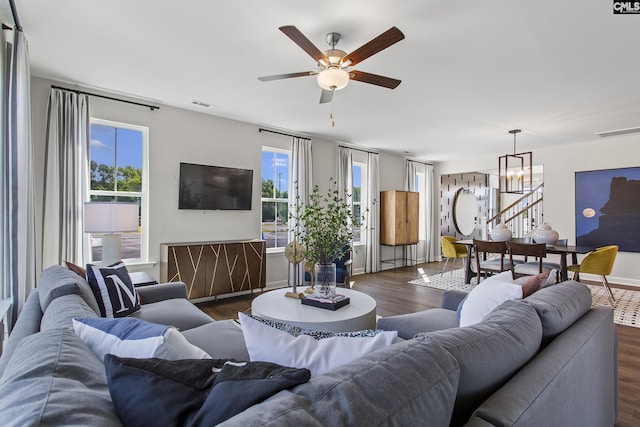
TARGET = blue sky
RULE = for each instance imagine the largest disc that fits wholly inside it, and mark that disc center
(103, 139)
(275, 167)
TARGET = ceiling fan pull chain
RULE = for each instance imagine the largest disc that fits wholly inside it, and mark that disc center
(333, 123)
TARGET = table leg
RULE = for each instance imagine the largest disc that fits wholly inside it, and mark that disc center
(563, 264)
(468, 271)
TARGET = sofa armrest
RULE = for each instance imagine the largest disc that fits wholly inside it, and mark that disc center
(451, 299)
(162, 291)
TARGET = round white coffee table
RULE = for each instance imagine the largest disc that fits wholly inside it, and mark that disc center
(359, 314)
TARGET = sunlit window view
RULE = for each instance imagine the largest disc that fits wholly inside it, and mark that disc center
(275, 197)
(116, 162)
(356, 199)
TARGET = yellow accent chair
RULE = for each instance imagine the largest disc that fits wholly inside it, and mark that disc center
(599, 262)
(452, 250)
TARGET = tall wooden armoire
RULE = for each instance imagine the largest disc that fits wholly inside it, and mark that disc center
(399, 217)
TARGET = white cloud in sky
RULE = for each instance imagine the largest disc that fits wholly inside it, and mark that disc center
(279, 162)
(99, 145)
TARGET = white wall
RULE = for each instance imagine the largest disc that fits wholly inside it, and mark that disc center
(560, 164)
(177, 135)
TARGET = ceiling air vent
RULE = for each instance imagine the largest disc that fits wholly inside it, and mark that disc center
(618, 132)
(201, 103)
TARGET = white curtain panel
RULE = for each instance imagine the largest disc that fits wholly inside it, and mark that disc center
(372, 217)
(300, 182)
(432, 217)
(410, 170)
(66, 175)
(18, 190)
(345, 173)
(429, 208)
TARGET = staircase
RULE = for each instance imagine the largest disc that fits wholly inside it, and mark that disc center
(521, 216)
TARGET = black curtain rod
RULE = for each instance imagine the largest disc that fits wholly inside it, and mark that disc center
(359, 149)
(422, 163)
(282, 133)
(14, 12)
(151, 107)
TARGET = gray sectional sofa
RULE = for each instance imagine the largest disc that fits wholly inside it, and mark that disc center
(550, 359)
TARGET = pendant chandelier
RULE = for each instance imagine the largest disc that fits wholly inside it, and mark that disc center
(515, 170)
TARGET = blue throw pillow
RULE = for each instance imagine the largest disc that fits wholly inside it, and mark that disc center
(131, 337)
(153, 392)
(112, 287)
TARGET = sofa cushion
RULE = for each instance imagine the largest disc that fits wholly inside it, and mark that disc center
(154, 392)
(409, 383)
(411, 324)
(404, 384)
(287, 345)
(28, 323)
(227, 344)
(129, 337)
(490, 352)
(54, 379)
(56, 281)
(177, 312)
(113, 289)
(62, 310)
(559, 306)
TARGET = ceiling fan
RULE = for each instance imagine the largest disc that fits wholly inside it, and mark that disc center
(333, 65)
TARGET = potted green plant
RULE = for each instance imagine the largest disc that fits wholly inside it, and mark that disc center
(324, 227)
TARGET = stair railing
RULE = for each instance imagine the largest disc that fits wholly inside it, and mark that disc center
(521, 216)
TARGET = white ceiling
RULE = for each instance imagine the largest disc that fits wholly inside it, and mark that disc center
(559, 70)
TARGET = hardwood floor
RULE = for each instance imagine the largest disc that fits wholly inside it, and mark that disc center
(394, 296)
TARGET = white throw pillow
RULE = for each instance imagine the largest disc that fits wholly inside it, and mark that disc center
(485, 297)
(131, 337)
(320, 352)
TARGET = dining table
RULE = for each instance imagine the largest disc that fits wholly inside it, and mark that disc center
(563, 250)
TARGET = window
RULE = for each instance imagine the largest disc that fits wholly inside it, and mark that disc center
(118, 172)
(275, 197)
(357, 200)
(421, 189)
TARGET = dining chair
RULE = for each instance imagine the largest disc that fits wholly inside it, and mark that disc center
(452, 250)
(599, 262)
(490, 257)
(525, 267)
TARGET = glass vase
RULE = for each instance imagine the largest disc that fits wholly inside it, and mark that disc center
(326, 280)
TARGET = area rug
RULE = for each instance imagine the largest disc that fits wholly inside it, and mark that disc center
(626, 311)
(450, 280)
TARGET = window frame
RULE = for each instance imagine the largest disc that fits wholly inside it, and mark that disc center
(286, 200)
(143, 193)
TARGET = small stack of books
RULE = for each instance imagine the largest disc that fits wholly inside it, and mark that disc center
(330, 303)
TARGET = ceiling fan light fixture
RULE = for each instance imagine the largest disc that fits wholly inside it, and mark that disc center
(333, 78)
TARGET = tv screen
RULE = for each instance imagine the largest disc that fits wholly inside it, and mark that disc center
(205, 187)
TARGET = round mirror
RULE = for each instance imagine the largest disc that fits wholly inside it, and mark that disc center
(465, 211)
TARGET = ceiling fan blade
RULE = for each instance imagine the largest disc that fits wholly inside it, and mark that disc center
(286, 76)
(326, 96)
(374, 79)
(383, 41)
(301, 40)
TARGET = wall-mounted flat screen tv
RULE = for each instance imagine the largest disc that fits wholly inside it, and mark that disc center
(204, 187)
